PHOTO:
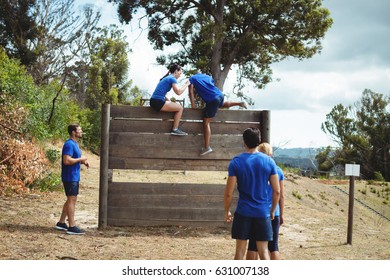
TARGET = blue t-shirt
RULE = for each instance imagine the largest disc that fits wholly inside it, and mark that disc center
(280, 178)
(205, 88)
(163, 87)
(70, 173)
(253, 172)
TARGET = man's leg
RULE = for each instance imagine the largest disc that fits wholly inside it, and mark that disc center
(206, 132)
(240, 249)
(228, 104)
(64, 212)
(71, 205)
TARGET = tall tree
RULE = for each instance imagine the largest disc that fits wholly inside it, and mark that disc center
(215, 35)
(363, 133)
(47, 35)
(18, 29)
(373, 119)
(108, 81)
(62, 40)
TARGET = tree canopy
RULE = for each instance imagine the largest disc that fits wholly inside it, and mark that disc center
(18, 29)
(216, 35)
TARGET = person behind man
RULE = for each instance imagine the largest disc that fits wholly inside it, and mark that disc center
(214, 99)
(160, 102)
(70, 175)
(273, 246)
(251, 171)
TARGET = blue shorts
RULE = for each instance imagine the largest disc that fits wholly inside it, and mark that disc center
(212, 107)
(273, 245)
(244, 228)
(156, 104)
(71, 188)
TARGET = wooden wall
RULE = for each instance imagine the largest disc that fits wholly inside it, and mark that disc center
(139, 138)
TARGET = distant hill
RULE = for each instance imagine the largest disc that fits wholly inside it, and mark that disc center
(302, 158)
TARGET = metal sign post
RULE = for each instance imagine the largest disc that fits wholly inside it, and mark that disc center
(351, 170)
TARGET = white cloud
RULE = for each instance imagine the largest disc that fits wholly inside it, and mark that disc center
(298, 128)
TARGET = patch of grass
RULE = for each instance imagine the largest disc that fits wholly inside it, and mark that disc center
(322, 195)
(297, 194)
(311, 196)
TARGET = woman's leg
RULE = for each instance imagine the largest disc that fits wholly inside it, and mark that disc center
(173, 107)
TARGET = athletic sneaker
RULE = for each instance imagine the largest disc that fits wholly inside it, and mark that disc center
(244, 105)
(178, 132)
(206, 151)
(61, 226)
(75, 230)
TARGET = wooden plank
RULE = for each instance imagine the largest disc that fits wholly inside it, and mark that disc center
(138, 188)
(166, 152)
(168, 164)
(166, 146)
(265, 127)
(165, 126)
(130, 222)
(167, 213)
(103, 178)
(125, 111)
(165, 140)
(166, 200)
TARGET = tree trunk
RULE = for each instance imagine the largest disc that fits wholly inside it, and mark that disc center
(216, 71)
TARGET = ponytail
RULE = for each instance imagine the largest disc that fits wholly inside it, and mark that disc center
(167, 74)
(172, 68)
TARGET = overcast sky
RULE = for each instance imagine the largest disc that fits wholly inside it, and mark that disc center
(355, 56)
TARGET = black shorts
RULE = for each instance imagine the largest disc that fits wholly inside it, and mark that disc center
(71, 188)
(244, 228)
(156, 104)
(273, 245)
(211, 108)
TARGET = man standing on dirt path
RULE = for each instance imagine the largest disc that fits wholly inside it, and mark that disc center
(251, 171)
(70, 175)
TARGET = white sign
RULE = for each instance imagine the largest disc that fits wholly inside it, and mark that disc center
(352, 170)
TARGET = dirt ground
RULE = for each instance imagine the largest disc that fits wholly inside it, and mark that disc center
(315, 226)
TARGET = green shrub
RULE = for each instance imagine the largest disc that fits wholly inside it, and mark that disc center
(378, 176)
(51, 182)
(53, 155)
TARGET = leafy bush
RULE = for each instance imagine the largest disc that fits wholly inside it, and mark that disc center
(50, 182)
(53, 155)
(378, 176)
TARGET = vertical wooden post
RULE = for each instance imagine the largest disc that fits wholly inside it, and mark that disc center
(350, 208)
(103, 187)
(265, 124)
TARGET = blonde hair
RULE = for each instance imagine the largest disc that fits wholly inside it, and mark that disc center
(265, 148)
